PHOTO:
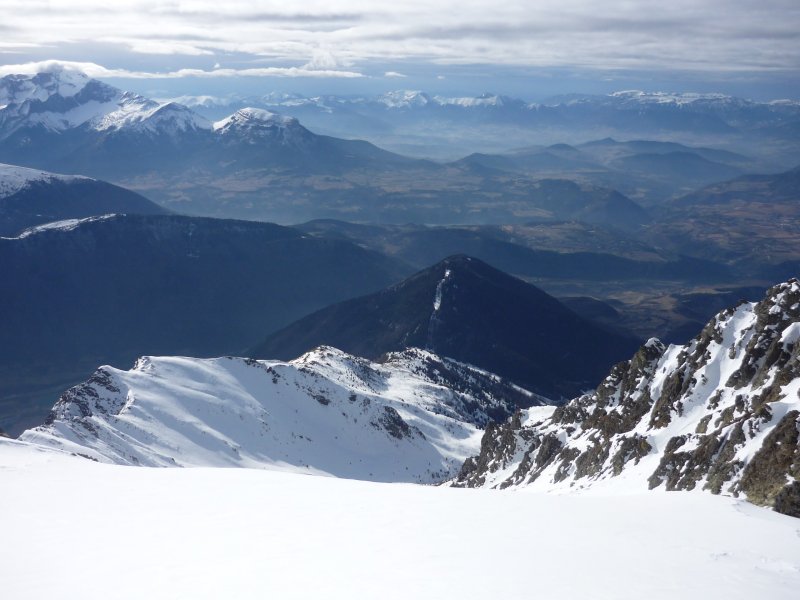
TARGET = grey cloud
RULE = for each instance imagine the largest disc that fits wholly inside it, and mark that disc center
(259, 16)
(181, 37)
(712, 34)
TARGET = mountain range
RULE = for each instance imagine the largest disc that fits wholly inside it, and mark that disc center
(750, 222)
(719, 413)
(524, 250)
(647, 171)
(258, 164)
(352, 346)
(415, 122)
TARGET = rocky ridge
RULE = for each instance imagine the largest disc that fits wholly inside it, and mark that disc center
(720, 414)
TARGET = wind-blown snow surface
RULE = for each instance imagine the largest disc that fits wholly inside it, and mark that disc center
(326, 412)
(76, 529)
(13, 178)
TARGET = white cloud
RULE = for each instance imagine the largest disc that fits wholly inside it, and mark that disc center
(165, 48)
(393, 74)
(99, 71)
(334, 35)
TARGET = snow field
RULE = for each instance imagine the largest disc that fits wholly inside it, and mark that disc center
(77, 529)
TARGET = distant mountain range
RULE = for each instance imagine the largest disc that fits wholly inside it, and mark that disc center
(751, 222)
(516, 250)
(68, 121)
(469, 311)
(256, 164)
(647, 171)
(628, 110)
(415, 122)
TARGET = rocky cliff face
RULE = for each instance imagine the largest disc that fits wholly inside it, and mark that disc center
(721, 413)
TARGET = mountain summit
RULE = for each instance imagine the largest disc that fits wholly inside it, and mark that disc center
(467, 310)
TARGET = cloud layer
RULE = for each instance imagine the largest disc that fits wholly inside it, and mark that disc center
(340, 37)
(99, 71)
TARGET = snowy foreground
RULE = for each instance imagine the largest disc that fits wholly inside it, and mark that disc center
(73, 528)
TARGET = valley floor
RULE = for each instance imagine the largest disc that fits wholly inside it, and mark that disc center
(71, 528)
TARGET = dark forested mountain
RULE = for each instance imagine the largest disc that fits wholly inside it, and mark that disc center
(109, 289)
(29, 197)
(464, 309)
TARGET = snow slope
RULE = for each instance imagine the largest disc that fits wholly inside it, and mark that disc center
(415, 417)
(73, 528)
(13, 178)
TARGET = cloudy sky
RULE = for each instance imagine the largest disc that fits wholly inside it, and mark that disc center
(750, 47)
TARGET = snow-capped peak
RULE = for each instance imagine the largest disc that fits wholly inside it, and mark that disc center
(668, 97)
(138, 114)
(404, 99)
(485, 99)
(249, 117)
(63, 99)
(256, 125)
(15, 89)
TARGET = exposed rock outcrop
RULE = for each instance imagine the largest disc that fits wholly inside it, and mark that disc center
(721, 413)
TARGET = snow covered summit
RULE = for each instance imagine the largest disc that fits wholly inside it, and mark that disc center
(256, 124)
(15, 89)
(60, 100)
